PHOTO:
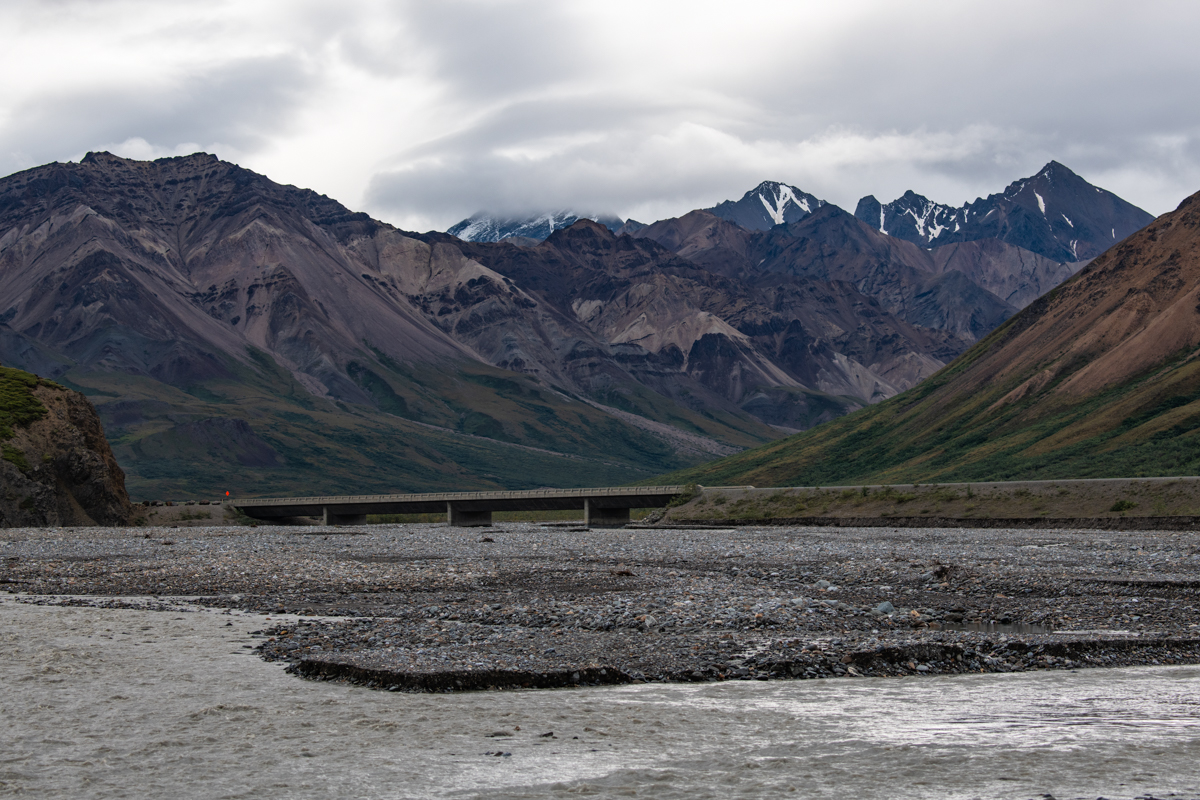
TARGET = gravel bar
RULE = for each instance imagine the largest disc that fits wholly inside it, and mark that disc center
(525, 605)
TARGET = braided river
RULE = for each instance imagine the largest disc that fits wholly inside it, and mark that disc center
(98, 703)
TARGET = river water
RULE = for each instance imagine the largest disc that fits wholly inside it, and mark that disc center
(132, 703)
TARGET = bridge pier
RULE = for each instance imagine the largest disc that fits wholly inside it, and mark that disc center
(596, 517)
(462, 518)
(330, 518)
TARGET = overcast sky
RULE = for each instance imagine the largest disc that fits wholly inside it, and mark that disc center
(422, 113)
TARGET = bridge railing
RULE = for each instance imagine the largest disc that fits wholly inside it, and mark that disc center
(606, 506)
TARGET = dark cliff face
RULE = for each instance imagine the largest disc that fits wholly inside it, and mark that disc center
(57, 467)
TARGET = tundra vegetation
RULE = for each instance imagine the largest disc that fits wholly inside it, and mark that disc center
(1054, 500)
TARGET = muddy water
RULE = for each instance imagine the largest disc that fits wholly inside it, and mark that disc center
(123, 703)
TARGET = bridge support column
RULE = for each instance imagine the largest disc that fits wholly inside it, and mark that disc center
(461, 518)
(330, 518)
(594, 517)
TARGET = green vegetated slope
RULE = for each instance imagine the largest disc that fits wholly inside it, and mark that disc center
(457, 425)
(1099, 378)
(1065, 500)
(18, 408)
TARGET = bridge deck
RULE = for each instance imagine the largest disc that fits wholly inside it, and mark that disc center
(608, 505)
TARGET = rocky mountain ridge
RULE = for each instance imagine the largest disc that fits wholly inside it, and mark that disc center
(296, 276)
(1011, 244)
(1055, 214)
(699, 337)
(1100, 377)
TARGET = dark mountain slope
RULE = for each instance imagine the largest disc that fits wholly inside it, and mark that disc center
(686, 332)
(705, 239)
(1014, 274)
(235, 331)
(1055, 214)
(1098, 378)
(831, 245)
(154, 267)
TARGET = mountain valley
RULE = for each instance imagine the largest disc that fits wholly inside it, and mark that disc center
(236, 334)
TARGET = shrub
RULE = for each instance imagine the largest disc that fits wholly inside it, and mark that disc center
(18, 406)
(689, 493)
(15, 456)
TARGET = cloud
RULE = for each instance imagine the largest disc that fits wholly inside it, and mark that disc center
(423, 113)
(647, 174)
(953, 100)
(241, 105)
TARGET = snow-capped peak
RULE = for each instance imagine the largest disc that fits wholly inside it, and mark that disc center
(1007, 216)
(766, 205)
(783, 194)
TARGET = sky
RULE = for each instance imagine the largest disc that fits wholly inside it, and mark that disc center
(423, 113)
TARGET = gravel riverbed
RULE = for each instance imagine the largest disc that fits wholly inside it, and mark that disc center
(435, 608)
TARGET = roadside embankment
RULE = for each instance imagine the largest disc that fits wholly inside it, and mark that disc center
(1105, 504)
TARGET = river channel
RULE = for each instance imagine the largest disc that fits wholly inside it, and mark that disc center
(133, 703)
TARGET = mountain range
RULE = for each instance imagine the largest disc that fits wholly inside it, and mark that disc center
(1055, 214)
(238, 334)
(1098, 378)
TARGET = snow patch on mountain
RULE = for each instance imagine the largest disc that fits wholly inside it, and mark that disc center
(778, 204)
(766, 205)
(483, 227)
(1012, 217)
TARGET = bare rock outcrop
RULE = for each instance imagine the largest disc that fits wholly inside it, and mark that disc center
(57, 467)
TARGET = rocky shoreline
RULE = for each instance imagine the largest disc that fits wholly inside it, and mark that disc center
(912, 658)
(432, 608)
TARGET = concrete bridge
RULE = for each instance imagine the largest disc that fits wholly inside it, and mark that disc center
(602, 508)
